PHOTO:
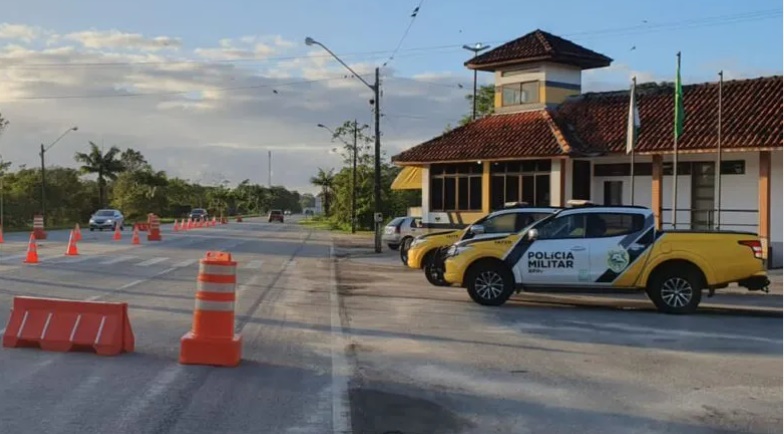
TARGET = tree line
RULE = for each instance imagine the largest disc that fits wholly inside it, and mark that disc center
(336, 187)
(125, 180)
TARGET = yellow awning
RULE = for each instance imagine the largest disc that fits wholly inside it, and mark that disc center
(410, 178)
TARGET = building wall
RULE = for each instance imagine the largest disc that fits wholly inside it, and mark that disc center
(556, 83)
(555, 182)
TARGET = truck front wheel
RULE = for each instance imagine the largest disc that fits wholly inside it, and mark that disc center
(676, 290)
(489, 284)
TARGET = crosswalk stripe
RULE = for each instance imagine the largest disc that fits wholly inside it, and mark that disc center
(185, 263)
(117, 259)
(152, 261)
(253, 264)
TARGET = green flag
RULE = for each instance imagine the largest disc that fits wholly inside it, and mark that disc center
(679, 114)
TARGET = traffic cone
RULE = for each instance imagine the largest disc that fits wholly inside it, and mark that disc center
(176, 226)
(78, 233)
(117, 235)
(1, 235)
(214, 222)
(135, 238)
(32, 251)
(71, 250)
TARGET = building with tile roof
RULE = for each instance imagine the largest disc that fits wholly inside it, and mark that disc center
(547, 143)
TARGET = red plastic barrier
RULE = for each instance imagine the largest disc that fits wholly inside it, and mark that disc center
(69, 325)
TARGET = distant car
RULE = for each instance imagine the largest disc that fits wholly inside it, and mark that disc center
(401, 228)
(287, 212)
(107, 219)
(275, 215)
(198, 214)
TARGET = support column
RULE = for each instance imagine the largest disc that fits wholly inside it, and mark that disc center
(486, 198)
(764, 201)
(557, 170)
(656, 189)
(426, 194)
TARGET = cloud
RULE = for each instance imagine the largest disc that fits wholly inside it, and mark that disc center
(246, 47)
(19, 32)
(98, 39)
(196, 118)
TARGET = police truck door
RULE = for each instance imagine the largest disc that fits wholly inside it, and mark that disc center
(559, 256)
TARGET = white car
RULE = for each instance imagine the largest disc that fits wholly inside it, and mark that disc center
(107, 219)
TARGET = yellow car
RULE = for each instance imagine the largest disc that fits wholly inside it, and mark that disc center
(426, 251)
(597, 248)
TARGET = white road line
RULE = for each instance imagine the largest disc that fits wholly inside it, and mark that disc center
(117, 260)
(341, 415)
(253, 264)
(134, 283)
(160, 384)
(152, 261)
(11, 258)
(185, 263)
(74, 260)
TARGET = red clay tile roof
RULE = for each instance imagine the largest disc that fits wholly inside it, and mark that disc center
(751, 117)
(525, 134)
(537, 46)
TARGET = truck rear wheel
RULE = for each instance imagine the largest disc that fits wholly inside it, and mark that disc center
(489, 284)
(676, 290)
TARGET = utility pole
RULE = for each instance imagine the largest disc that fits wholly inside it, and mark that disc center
(377, 187)
(475, 49)
(269, 168)
(376, 88)
(354, 184)
(43, 170)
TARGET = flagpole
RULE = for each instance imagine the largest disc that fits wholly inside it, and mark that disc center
(718, 159)
(631, 172)
(675, 153)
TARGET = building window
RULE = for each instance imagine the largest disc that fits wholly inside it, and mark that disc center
(520, 181)
(520, 93)
(729, 167)
(613, 193)
(456, 187)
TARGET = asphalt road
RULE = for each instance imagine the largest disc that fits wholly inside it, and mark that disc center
(342, 346)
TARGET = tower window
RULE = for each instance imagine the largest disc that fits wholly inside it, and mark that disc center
(520, 93)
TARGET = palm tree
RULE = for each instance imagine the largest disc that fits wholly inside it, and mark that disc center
(325, 180)
(106, 165)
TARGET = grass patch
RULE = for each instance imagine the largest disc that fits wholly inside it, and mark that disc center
(327, 224)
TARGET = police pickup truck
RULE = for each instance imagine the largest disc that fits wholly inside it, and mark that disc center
(426, 251)
(592, 248)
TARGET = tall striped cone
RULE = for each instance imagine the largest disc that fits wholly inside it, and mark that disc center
(135, 238)
(117, 235)
(176, 226)
(1, 235)
(78, 233)
(32, 251)
(71, 250)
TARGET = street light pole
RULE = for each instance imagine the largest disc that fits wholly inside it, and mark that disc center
(353, 172)
(43, 169)
(475, 49)
(376, 88)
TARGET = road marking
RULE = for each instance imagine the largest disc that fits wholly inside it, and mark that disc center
(185, 263)
(152, 261)
(252, 281)
(134, 283)
(159, 385)
(117, 260)
(10, 258)
(254, 264)
(341, 415)
(72, 260)
(611, 328)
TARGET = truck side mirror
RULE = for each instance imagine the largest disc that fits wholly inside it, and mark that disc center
(477, 229)
(533, 234)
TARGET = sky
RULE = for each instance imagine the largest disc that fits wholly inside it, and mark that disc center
(206, 89)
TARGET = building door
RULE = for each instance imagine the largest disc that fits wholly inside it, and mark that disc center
(703, 195)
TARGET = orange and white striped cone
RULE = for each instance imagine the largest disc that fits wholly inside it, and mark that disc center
(32, 251)
(176, 226)
(135, 237)
(212, 340)
(77, 233)
(71, 249)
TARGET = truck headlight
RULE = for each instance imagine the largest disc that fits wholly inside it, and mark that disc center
(456, 250)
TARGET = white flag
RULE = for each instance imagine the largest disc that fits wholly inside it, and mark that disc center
(633, 126)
